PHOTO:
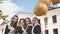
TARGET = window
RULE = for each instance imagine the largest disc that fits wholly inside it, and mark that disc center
(54, 19)
(46, 20)
(55, 31)
(46, 31)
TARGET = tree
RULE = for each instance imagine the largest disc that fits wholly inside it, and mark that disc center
(2, 16)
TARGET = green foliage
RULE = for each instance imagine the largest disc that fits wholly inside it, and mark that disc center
(2, 16)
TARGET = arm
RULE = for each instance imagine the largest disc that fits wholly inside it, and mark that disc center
(7, 30)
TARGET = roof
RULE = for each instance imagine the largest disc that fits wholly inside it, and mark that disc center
(25, 13)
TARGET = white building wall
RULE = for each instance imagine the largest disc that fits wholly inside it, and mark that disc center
(50, 26)
(58, 24)
(24, 15)
(42, 25)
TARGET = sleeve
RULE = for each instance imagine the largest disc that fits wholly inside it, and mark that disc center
(19, 30)
(7, 30)
(37, 29)
(29, 29)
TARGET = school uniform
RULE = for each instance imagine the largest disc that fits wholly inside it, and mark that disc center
(24, 30)
(21, 30)
(9, 29)
(36, 29)
(29, 29)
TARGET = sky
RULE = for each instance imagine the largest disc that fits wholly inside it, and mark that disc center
(26, 5)
(12, 7)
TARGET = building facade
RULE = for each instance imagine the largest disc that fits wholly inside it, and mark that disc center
(50, 23)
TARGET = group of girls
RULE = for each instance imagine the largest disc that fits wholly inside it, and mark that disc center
(24, 26)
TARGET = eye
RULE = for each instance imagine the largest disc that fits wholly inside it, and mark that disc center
(34, 20)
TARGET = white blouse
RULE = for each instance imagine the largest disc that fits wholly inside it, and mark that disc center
(12, 30)
(24, 31)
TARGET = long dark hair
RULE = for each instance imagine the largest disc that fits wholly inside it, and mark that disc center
(29, 21)
(24, 22)
(37, 19)
(15, 24)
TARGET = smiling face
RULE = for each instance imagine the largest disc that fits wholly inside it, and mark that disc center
(35, 20)
(14, 19)
(21, 22)
(27, 21)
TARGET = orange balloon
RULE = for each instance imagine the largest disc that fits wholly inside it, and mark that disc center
(59, 1)
(40, 9)
(55, 1)
(47, 2)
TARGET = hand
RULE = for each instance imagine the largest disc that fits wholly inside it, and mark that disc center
(18, 33)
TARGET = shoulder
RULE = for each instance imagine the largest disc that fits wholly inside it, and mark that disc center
(37, 26)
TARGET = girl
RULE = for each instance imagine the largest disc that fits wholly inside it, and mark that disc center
(21, 27)
(28, 25)
(36, 28)
(10, 28)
